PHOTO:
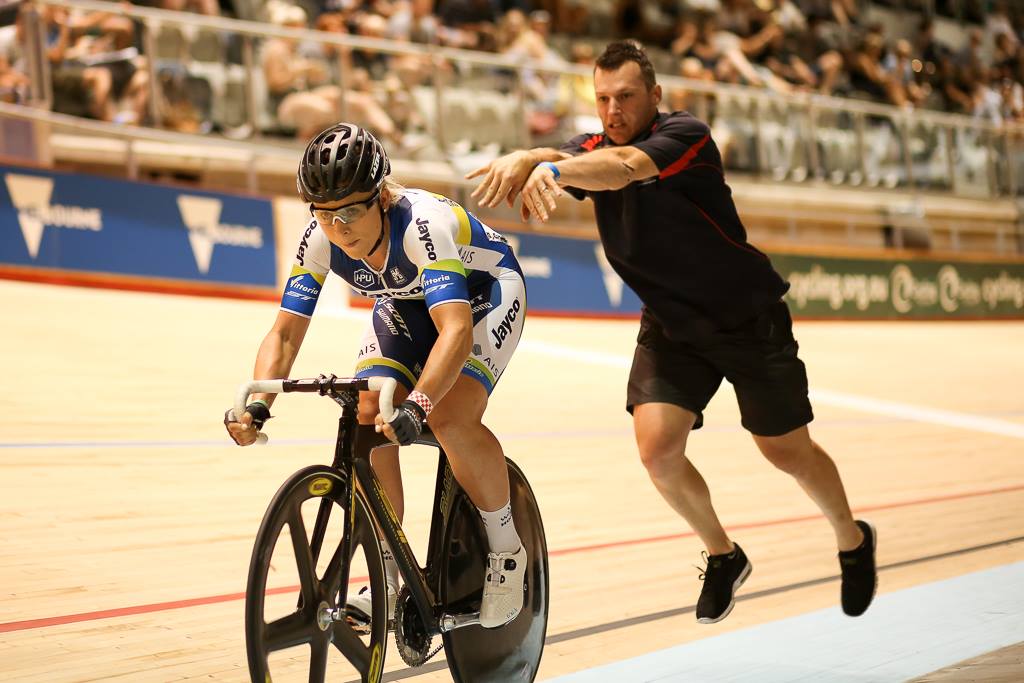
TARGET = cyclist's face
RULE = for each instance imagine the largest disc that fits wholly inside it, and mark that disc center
(624, 103)
(353, 223)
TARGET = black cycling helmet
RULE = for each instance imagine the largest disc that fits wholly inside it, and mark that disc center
(342, 160)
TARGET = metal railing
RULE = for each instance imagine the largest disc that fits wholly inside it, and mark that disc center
(482, 96)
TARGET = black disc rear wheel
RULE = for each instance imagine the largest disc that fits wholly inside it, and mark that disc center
(292, 616)
(512, 652)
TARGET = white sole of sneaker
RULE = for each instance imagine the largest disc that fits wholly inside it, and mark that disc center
(735, 587)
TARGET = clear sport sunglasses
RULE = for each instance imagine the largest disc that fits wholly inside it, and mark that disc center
(350, 213)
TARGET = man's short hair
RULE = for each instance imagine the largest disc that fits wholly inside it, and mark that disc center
(621, 51)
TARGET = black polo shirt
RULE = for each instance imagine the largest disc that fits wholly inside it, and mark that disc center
(676, 239)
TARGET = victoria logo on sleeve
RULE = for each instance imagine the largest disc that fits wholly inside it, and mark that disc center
(31, 198)
(201, 216)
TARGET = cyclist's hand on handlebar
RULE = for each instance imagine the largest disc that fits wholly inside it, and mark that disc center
(405, 426)
(245, 430)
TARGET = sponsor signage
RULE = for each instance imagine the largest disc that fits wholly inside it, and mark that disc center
(919, 288)
(84, 223)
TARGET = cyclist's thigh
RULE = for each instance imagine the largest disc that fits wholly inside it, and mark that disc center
(499, 310)
(397, 341)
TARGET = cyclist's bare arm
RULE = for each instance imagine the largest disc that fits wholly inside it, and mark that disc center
(279, 349)
(454, 324)
(273, 361)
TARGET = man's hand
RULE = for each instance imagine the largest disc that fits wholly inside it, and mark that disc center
(539, 193)
(405, 426)
(503, 178)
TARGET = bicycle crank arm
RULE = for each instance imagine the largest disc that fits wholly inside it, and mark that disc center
(450, 622)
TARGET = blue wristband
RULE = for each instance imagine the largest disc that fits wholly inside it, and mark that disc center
(554, 169)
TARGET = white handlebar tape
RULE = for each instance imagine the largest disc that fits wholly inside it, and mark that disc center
(256, 386)
(386, 386)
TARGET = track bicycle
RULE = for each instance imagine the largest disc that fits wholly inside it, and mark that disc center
(440, 598)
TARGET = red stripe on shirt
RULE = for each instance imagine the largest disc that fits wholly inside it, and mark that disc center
(684, 161)
(593, 142)
(721, 232)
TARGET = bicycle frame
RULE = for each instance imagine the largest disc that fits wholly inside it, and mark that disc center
(353, 446)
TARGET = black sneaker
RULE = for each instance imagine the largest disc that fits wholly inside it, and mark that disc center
(860, 578)
(722, 577)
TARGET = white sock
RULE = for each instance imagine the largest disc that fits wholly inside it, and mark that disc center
(391, 572)
(501, 529)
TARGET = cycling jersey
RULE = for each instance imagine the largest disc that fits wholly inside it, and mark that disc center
(438, 253)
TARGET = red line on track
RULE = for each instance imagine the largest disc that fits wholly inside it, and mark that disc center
(229, 597)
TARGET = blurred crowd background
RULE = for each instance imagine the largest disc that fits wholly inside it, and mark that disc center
(960, 56)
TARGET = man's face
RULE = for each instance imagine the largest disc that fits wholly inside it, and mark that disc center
(624, 104)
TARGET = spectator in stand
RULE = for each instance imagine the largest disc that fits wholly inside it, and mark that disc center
(785, 56)
(987, 103)
(998, 23)
(969, 58)
(954, 93)
(899, 65)
(14, 82)
(414, 21)
(470, 23)
(301, 95)
(94, 64)
(1012, 94)
(869, 77)
(928, 48)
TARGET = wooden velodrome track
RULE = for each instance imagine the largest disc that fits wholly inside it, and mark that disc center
(127, 518)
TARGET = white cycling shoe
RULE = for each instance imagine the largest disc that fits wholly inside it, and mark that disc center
(504, 588)
(360, 606)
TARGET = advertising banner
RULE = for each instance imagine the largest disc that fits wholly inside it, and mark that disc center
(823, 287)
(572, 277)
(86, 224)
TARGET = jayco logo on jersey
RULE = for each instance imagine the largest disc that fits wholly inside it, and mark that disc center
(201, 216)
(362, 277)
(31, 198)
(300, 255)
(505, 326)
(428, 244)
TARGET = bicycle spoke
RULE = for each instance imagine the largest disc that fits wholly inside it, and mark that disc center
(303, 555)
(352, 646)
(288, 631)
(318, 660)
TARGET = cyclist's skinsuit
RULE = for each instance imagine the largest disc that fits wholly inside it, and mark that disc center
(438, 253)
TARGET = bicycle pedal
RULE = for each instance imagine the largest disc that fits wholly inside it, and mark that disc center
(358, 625)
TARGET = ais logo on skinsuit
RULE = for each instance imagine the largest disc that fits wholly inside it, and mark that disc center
(201, 216)
(31, 198)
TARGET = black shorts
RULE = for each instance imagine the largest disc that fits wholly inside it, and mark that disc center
(759, 358)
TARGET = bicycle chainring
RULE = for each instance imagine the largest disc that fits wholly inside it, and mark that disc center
(411, 636)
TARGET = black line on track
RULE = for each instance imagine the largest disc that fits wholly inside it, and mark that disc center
(665, 614)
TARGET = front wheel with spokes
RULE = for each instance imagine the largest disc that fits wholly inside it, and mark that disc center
(299, 624)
